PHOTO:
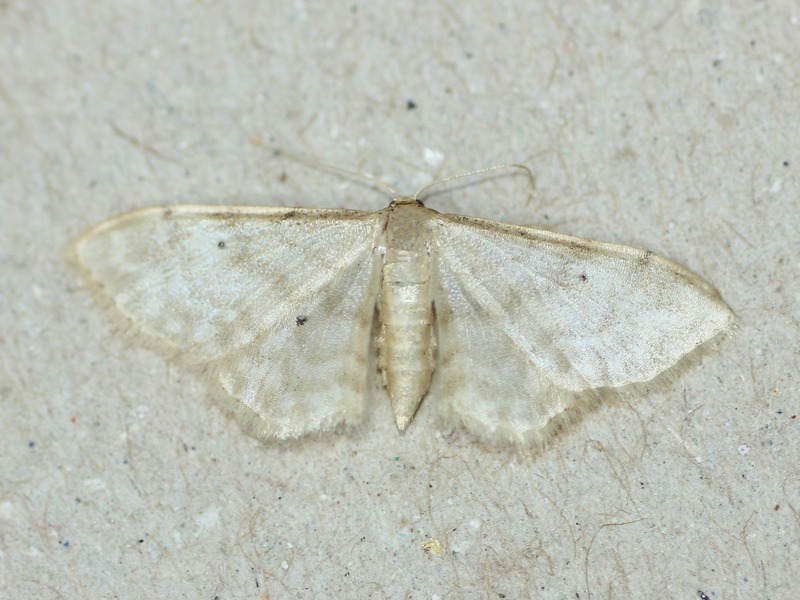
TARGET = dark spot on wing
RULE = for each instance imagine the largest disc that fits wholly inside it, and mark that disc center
(300, 320)
(584, 277)
(221, 244)
(167, 213)
(410, 104)
(702, 595)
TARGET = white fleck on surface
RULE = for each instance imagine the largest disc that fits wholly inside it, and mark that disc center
(433, 157)
(140, 411)
(209, 518)
(9, 511)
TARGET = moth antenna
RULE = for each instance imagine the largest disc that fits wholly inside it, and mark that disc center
(345, 173)
(528, 173)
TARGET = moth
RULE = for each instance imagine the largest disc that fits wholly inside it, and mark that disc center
(507, 328)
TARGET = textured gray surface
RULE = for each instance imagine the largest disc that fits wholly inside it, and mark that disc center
(672, 127)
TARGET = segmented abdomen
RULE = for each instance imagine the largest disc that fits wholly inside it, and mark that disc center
(406, 342)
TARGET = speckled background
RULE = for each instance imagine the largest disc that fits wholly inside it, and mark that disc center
(668, 126)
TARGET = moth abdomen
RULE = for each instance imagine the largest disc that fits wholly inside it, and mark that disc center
(406, 341)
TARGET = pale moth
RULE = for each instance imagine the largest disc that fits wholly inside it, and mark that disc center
(512, 329)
